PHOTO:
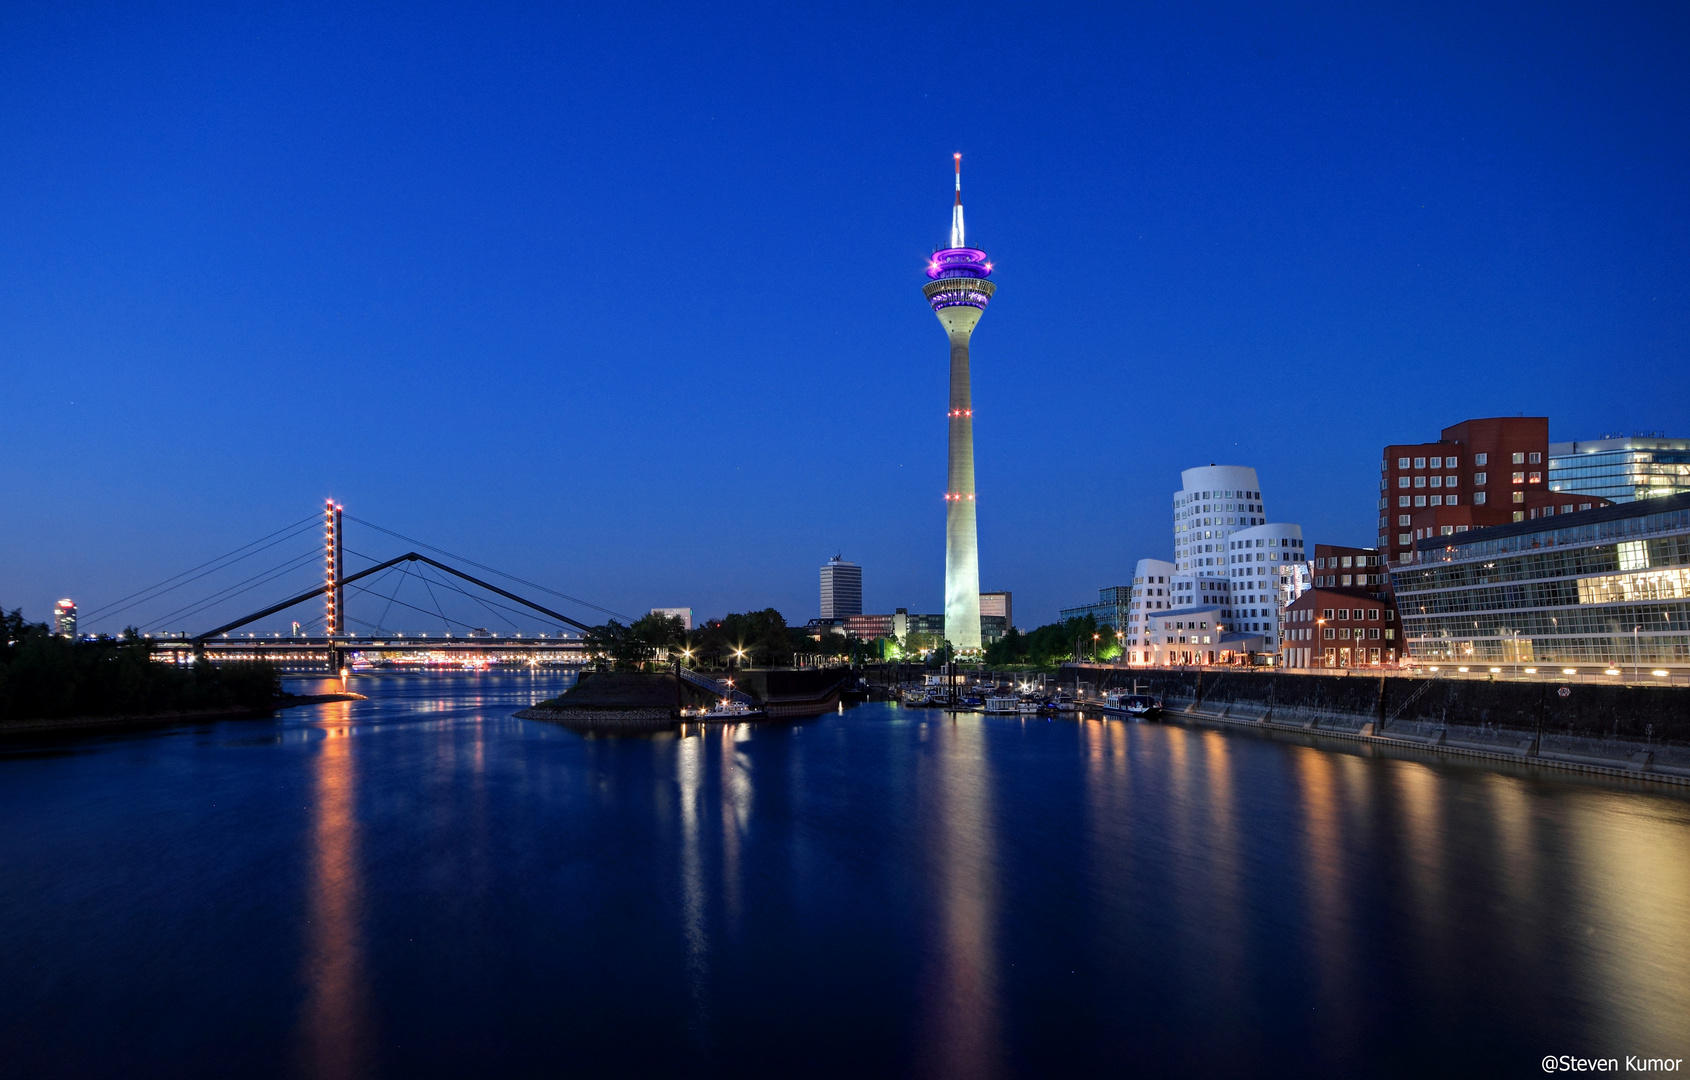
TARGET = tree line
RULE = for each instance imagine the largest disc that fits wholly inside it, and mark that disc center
(44, 676)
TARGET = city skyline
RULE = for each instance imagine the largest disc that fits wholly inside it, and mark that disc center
(403, 285)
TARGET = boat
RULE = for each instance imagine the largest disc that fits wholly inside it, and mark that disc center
(1000, 704)
(1028, 705)
(1063, 702)
(1141, 705)
(724, 711)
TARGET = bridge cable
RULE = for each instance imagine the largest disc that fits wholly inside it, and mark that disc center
(480, 600)
(261, 578)
(107, 611)
(489, 569)
(476, 598)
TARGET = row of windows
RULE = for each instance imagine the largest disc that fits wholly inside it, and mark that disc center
(1434, 481)
(1664, 551)
(1342, 633)
(1539, 622)
(1645, 652)
(1438, 500)
(1673, 521)
(1437, 463)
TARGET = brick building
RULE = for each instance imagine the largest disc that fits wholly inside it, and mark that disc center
(1341, 628)
(1478, 473)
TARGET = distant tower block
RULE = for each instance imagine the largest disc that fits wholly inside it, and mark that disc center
(64, 619)
(842, 588)
(959, 293)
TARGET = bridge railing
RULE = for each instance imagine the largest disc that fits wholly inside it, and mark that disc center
(714, 686)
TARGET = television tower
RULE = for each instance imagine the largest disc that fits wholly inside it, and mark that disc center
(959, 293)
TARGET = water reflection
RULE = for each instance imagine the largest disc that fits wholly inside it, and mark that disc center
(689, 772)
(961, 1036)
(334, 1023)
(1330, 925)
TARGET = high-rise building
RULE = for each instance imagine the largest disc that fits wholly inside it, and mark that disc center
(999, 604)
(1478, 473)
(682, 613)
(1621, 469)
(1213, 502)
(64, 619)
(842, 588)
(958, 293)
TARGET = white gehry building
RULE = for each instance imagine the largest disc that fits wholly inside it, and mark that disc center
(1269, 569)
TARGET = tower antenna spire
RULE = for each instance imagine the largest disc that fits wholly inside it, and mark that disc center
(957, 239)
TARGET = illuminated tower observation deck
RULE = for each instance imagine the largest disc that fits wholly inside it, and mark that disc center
(959, 293)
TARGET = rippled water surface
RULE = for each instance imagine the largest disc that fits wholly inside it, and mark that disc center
(420, 885)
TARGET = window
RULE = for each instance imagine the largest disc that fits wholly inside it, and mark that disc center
(1373, 615)
(1373, 635)
(1450, 463)
(1437, 463)
(1320, 564)
(1535, 478)
(1419, 463)
(1449, 481)
(1479, 499)
(1402, 463)
(1403, 481)
(1519, 478)
(1404, 539)
(1519, 496)
(1420, 500)
(1436, 481)
(1479, 478)
(1437, 500)
(1449, 500)
(1330, 633)
(1481, 459)
(1519, 515)
(1344, 562)
(1536, 458)
(1404, 520)
(1326, 613)
(1402, 500)
(1419, 481)
(1519, 458)
(1390, 635)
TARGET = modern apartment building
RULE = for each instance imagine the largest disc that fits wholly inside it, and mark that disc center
(842, 588)
(1113, 608)
(1602, 591)
(1620, 469)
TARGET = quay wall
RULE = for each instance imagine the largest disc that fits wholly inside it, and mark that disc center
(1631, 714)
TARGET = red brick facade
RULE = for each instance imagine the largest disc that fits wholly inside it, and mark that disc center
(1341, 628)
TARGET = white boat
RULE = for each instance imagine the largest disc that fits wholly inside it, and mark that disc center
(1028, 705)
(1001, 704)
(724, 711)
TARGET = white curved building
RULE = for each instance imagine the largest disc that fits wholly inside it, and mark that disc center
(1269, 568)
(1214, 501)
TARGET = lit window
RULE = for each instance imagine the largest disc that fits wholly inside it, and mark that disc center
(1519, 515)
(1519, 478)
(1519, 496)
(1535, 478)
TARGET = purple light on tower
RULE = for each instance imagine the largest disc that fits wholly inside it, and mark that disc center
(958, 294)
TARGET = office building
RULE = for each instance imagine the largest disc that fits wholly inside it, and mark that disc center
(682, 613)
(842, 588)
(64, 619)
(958, 293)
(1114, 605)
(1000, 605)
(1621, 469)
(1605, 590)
(1479, 473)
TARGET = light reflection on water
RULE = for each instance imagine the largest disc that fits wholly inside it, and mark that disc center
(420, 885)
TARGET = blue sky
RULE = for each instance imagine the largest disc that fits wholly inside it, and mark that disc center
(626, 299)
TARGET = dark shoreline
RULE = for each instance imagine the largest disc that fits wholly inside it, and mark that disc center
(66, 724)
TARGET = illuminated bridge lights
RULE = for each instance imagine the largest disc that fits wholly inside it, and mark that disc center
(957, 495)
(954, 413)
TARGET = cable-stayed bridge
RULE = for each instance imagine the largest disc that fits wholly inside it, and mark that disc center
(429, 612)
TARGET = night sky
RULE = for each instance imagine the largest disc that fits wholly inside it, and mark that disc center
(626, 299)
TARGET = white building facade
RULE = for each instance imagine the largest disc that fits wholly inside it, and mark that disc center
(1269, 569)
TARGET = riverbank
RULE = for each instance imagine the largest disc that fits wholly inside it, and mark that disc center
(65, 724)
(1528, 754)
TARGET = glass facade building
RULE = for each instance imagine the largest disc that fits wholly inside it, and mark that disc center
(1599, 588)
(1640, 467)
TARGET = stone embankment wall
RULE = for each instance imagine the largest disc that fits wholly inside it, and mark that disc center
(1645, 715)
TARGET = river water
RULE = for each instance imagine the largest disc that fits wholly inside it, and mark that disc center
(420, 885)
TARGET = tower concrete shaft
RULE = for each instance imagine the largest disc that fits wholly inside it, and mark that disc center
(958, 293)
